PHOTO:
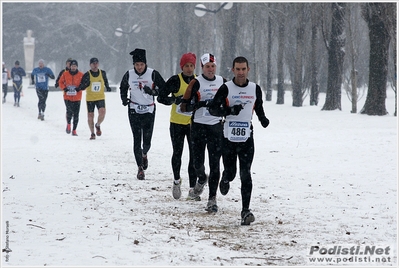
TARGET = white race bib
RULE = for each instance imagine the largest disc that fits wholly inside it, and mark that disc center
(41, 78)
(237, 131)
(17, 78)
(95, 86)
(139, 108)
(71, 91)
(5, 78)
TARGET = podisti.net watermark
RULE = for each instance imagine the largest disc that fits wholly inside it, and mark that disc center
(335, 254)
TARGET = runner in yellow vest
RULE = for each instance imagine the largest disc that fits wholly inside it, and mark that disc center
(95, 83)
(172, 95)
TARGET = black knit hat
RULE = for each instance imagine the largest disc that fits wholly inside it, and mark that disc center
(17, 62)
(74, 62)
(138, 55)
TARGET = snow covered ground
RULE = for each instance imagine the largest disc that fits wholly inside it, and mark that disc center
(321, 178)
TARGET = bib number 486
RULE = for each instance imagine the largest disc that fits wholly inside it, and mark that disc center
(236, 131)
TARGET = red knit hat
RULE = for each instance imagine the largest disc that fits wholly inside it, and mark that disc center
(188, 57)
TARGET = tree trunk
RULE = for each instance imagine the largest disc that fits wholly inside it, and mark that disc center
(229, 44)
(378, 64)
(280, 63)
(336, 54)
(353, 56)
(314, 90)
(391, 18)
(297, 81)
(269, 88)
(354, 91)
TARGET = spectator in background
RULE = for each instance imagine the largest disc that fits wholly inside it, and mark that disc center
(39, 77)
(69, 82)
(138, 88)
(95, 82)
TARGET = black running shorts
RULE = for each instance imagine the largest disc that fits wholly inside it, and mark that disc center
(92, 104)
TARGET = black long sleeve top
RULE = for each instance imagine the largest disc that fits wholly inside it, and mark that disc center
(172, 86)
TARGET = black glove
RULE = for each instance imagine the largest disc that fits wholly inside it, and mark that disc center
(264, 122)
(109, 89)
(125, 101)
(32, 82)
(190, 107)
(235, 110)
(203, 103)
(149, 91)
(66, 89)
(56, 85)
(179, 100)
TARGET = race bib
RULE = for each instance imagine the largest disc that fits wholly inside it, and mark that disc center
(237, 131)
(95, 86)
(139, 108)
(41, 78)
(5, 78)
(71, 91)
(17, 78)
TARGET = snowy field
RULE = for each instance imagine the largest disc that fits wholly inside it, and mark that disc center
(321, 178)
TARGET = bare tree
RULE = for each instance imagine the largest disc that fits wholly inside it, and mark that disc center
(379, 50)
(280, 56)
(352, 91)
(336, 54)
(314, 91)
(229, 43)
(269, 88)
(297, 83)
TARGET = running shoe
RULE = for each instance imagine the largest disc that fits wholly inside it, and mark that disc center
(199, 187)
(140, 173)
(176, 189)
(224, 187)
(193, 196)
(212, 205)
(68, 129)
(247, 217)
(98, 130)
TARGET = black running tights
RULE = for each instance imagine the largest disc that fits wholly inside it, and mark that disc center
(245, 153)
(42, 95)
(72, 111)
(178, 133)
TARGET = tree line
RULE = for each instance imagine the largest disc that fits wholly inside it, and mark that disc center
(302, 48)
